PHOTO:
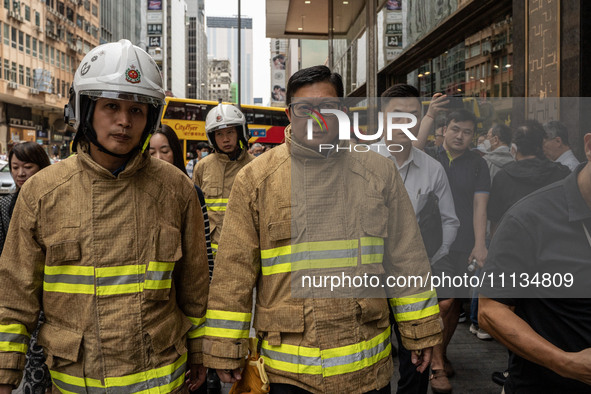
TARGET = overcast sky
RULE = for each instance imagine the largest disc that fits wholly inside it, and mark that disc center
(254, 9)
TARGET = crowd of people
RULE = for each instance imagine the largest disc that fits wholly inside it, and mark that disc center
(125, 270)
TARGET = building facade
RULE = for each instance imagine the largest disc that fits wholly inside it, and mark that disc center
(122, 19)
(197, 87)
(42, 45)
(220, 80)
(222, 43)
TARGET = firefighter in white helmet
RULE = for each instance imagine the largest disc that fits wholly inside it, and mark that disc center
(227, 132)
(110, 244)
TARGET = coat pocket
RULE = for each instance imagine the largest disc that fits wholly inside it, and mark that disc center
(159, 270)
(375, 220)
(169, 333)
(63, 349)
(279, 319)
(374, 311)
(63, 252)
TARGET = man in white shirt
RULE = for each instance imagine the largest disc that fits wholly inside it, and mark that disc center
(556, 146)
(421, 174)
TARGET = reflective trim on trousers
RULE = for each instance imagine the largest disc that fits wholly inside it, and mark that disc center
(329, 362)
(155, 381)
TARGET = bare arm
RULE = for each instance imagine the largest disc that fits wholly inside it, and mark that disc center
(502, 323)
(479, 222)
(437, 105)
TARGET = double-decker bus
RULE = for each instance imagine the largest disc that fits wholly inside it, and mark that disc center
(187, 118)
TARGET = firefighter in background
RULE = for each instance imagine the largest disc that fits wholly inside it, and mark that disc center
(296, 211)
(227, 132)
(110, 244)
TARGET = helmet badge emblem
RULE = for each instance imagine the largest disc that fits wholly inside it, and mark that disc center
(84, 69)
(218, 118)
(133, 75)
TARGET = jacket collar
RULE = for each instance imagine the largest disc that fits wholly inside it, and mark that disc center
(298, 150)
(225, 158)
(135, 163)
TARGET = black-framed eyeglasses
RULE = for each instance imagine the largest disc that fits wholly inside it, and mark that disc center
(304, 109)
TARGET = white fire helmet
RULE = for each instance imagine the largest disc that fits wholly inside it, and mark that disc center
(224, 116)
(117, 70)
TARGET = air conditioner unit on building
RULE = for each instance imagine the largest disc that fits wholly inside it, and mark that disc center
(12, 85)
(34, 91)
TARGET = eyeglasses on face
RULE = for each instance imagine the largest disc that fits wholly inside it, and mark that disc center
(305, 109)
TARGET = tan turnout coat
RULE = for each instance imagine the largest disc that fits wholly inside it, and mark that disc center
(287, 210)
(119, 266)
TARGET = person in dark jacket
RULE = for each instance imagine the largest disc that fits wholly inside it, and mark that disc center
(530, 172)
(25, 160)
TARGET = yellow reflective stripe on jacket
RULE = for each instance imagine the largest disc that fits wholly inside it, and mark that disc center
(14, 338)
(328, 362)
(69, 279)
(322, 254)
(216, 204)
(225, 324)
(155, 381)
(125, 279)
(415, 307)
(372, 250)
(159, 275)
(198, 328)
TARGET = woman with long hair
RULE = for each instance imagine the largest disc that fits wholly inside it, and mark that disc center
(25, 160)
(165, 145)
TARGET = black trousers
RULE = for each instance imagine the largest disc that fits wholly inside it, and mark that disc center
(411, 381)
(280, 388)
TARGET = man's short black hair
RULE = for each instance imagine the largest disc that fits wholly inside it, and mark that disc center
(461, 115)
(310, 75)
(556, 128)
(400, 90)
(529, 139)
(504, 133)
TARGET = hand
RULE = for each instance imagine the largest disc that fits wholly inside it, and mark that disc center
(479, 253)
(5, 389)
(195, 376)
(229, 375)
(421, 358)
(578, 367)
(438, 104)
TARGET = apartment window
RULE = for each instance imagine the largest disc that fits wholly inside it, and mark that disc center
(94, 10)
(16, 6)
(37, 19)
(68, 63)
(6, 34)
(58, 86)
(63, 61)
(57, 58)
(21, 74)
(28, 44)
(52, 56)
(47, 52)
(34, 47)
(7, 4)
(40, 50)
(27, 12)
(13, 71)
(7, 69)
(79, 21)
(21, 41)
(29, 80)
(13, 35)
(70, 14)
